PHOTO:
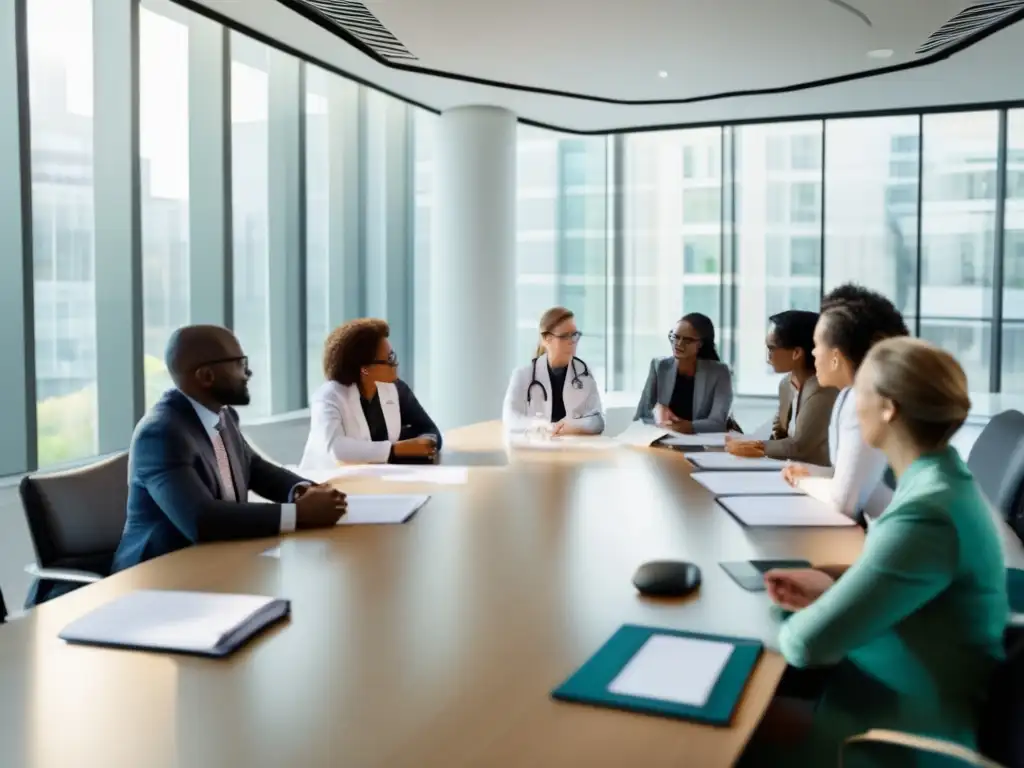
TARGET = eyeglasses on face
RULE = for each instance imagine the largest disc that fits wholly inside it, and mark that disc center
(391, 361)
(574, 336)
(241, 360)
(681, 341)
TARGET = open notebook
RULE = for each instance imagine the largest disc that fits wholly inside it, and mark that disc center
(202, 623)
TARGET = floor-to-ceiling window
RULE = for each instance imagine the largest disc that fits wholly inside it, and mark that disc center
(562, 239)
(60, 56)
(778, 210)
(250, 70)
(958, 220)
(164, 150)
(319, 278)
(672, 240)
(1013, 257)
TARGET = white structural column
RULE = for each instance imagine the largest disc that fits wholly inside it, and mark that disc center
(473, 264)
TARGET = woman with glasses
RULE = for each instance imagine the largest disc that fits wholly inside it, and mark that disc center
(556, 386)
(800, 427)
(691, 391)
(364, 413)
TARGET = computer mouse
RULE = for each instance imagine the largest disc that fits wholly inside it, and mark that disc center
(666, 578)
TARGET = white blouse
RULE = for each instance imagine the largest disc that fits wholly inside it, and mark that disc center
(854, 483)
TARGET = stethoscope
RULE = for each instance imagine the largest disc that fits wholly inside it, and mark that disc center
(577, 382)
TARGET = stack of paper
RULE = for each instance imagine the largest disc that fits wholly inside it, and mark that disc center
(744, 483)
(726, 461)
(381, 510)
(208, 624)
(788, 511)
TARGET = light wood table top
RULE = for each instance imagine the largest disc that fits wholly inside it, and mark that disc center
(434, 643)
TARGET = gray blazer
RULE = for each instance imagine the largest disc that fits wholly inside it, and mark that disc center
(810, 443)
(712, 393)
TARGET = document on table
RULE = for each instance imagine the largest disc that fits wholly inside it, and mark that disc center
(755, 483)
(722, 460)
(641, 435)
(678, 669)
(566, 443)
(381, 510)
(787, 511)
(707, 439)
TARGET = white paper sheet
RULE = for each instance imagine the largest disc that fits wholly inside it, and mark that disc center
(393, 473)
(274, 552)
(567, 443)
(381, 510)
(740, 483)
(789, 511)
(641, 435)
(679, 669)
(722, 460)
(707, 439)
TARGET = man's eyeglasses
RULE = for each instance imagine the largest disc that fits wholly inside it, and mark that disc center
(681, 341)
(392, 360)
(574, 336)
(241, 360)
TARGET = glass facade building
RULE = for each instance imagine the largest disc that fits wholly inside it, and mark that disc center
(274, 196)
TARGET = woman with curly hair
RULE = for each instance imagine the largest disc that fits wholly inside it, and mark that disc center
(853, 319)
(364, 413)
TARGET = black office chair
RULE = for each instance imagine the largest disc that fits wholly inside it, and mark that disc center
(1000, 737)
(75, 519)
(997, 462)
(3, 608)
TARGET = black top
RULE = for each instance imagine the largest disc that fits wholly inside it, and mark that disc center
(681, 403)
(374, 414)
(557, 386)
(415, 421)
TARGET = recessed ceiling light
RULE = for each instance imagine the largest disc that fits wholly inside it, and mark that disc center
(663, 74)
(880, 53)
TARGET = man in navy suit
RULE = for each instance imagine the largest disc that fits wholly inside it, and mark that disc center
(190, 470)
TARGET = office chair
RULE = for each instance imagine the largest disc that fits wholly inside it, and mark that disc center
(3, 608)
(75, 519)
(1000, 738)
(997, 463)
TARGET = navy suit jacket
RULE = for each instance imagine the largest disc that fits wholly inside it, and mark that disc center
(173, 489)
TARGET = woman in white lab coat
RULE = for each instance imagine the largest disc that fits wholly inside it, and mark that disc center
(364, 413)
(556, 386)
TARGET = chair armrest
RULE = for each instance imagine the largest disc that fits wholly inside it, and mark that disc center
(62, 574)
(919, 744)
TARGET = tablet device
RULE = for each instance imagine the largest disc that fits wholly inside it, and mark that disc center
(749, 574)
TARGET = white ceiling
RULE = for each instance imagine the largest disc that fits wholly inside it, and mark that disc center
(606, 55)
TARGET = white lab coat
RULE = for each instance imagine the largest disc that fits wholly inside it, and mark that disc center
(583, 407)
(338, 431)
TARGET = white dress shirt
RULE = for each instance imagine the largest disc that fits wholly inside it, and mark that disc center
(211, 421)
(854, 483)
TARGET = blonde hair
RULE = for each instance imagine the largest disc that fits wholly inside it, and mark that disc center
(550, 320)
(927, 384)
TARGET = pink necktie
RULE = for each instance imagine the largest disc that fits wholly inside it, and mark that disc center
(223, 465)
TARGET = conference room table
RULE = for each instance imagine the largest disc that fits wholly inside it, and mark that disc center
(433, 643)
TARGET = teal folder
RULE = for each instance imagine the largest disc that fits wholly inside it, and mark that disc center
(589, 684)
(1015, 589)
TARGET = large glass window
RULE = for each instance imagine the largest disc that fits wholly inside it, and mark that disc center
(163, 141)
(561, 241)
(871, 173)
(958, 237)
(1013, 257)
(250, 70)
(778, 193)
(319, 280)
(673, 239)
(61, 100)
